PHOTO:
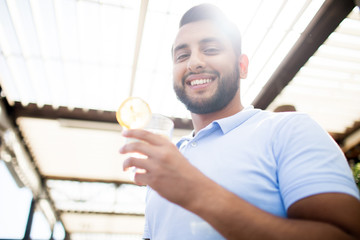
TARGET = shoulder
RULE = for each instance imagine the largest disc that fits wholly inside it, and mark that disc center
(278, 117)
(284, 123)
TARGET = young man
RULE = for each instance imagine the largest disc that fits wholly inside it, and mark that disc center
(244, 173)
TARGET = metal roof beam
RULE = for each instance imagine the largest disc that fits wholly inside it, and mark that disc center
(88, 180)
(49, 112)
(141, 24)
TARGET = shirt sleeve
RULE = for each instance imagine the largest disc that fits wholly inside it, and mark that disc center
(147, 233)
(309, 161)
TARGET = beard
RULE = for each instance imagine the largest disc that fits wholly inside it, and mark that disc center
(227, 87)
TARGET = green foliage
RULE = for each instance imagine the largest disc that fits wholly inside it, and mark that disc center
(356, 172)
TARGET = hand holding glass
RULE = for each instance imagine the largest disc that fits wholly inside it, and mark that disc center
(135, 113)
(158, 124)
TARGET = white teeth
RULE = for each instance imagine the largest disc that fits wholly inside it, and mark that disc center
(199, 82)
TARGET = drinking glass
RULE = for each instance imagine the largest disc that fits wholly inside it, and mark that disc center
(158, 124)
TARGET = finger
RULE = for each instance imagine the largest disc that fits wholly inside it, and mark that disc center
(142, 163)
(144, 135)
(139, 147)
(141, 178)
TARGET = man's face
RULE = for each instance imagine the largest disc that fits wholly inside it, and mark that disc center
(205, 68)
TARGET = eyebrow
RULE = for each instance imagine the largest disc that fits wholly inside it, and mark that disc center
(205, 40)
(179, 47)
(210, 39)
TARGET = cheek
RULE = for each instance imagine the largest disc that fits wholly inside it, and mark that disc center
(219, 64)
(178, 73)
(223, 63)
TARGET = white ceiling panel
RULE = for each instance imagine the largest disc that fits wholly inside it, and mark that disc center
(102, 223)
(62, 150)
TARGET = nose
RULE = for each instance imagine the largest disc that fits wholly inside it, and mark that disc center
(195, 63)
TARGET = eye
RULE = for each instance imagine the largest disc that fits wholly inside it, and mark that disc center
(211, 50)
(181, 57)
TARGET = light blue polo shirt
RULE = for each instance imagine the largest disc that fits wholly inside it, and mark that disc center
(269, 159)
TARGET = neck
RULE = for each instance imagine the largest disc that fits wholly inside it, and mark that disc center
(202, 120)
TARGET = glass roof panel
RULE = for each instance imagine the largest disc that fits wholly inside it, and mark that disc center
(8, 40)
(307, 15)
(21, 79)
(23, 22)
(40, 227)
(45, 20)
(66, 19)
(75, 49)
(95, 197)
(38, 80)
(14, 205)
(7, 82)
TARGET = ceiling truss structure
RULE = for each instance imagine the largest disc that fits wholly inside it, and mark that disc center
(325, 22)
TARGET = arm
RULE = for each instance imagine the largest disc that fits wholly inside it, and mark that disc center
(322, 216)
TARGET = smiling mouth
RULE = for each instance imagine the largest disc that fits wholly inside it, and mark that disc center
(200, 82)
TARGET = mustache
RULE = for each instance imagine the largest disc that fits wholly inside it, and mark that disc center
(197, 73)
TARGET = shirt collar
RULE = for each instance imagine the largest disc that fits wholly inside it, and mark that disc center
(225, 124)
(229, 123)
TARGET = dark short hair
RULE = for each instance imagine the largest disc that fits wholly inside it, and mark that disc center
(210, 12)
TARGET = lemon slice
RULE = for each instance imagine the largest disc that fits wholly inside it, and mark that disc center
(133, 113)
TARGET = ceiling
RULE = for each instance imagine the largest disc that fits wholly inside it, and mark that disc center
(65, 67)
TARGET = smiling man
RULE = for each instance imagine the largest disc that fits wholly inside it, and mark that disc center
(244, 173)
(206, 69)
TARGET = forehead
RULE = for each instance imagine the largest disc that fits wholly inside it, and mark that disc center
(196, 31)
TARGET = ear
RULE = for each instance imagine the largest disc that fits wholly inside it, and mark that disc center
(244, 63)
